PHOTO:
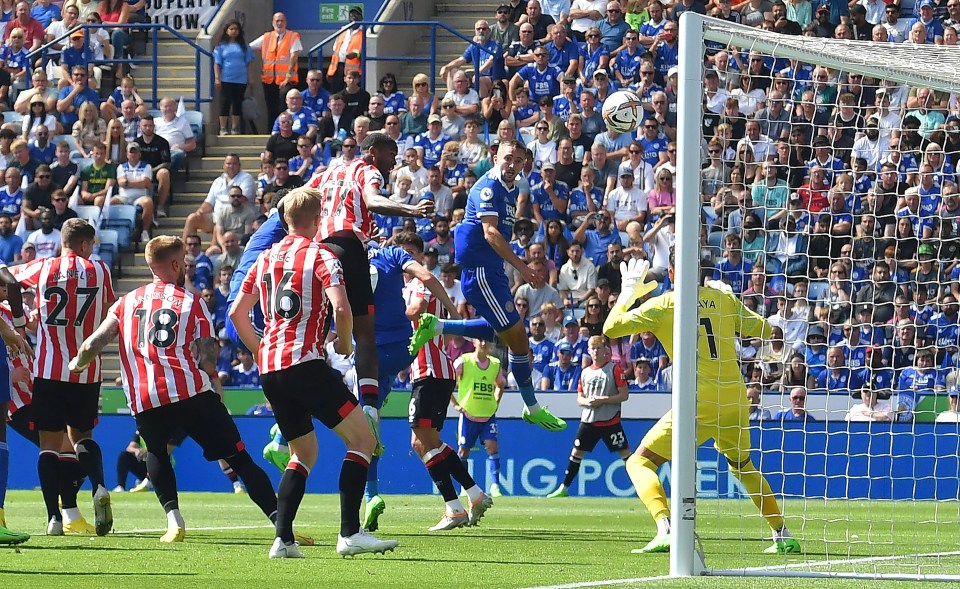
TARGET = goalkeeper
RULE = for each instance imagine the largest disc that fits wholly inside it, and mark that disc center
(722, 407)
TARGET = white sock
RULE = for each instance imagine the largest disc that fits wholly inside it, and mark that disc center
(454, 506)
(372, 412)
(531, 409)
(174, 519)
(71, 514)
(663, 525)
(474, 493)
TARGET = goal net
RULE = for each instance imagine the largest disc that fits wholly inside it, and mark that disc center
(818, 178)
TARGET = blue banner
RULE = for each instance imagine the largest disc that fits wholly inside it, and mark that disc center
(834, 460)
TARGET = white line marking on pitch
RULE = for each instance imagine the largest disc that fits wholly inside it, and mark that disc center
(796, 565)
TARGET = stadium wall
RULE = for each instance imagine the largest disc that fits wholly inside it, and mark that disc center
(833, 460)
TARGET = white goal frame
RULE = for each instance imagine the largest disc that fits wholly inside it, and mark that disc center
(850, 56)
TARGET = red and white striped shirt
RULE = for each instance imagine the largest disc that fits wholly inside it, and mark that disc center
(158, 323)
(291, 278)
(21, 393)
(73, 297)
(431, 360)
(344, 208)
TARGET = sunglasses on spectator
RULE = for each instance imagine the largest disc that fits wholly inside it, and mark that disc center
(351, 145)
(522, 305)
(281, 168)
(420, 84)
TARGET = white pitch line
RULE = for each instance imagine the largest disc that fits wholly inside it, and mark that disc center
(797, 565)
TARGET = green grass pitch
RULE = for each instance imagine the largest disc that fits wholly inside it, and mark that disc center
(522, 542)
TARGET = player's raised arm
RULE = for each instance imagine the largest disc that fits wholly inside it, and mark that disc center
(93, 345)
(383, 151)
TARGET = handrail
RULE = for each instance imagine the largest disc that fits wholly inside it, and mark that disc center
(314, 54)
(155, 29)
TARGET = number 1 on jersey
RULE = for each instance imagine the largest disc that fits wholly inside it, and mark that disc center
(707, 326)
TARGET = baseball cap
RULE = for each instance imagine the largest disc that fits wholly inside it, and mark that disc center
(357, 10)
(433, 119)
(600, 72)
(672, 71)
(815, 330)
(569, 79)
(133, 147)
(505, 7)
(603, 282)
(925, 4)
(76, 35)
(642, 360)
(547, 166)
(926, 250)
(823, 8)
(568, 319)
(821, 141)
(431, 251)
(564, 347)
(625, 170)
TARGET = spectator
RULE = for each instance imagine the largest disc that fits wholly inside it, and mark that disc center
(36, 195)
(307, 163)
(10, 242)
(117, 12)
(61, 212)
(355, 98)
(413, 122)
(116, 143)
(130, 119)
(203, 265)
(345, 55)
(485, 55)
(155, 150)
(541, 348)
(797, 410)
(98, 179)
(66, 173)
(72, 97)
(951, 415)
(537, 297)
(562, 374)
(236, 218)
(135, 179)
(232, 250)
(596, 235)
(541, 78)
(627, 203)
(176, 130)
(541, 22)
(378, 118)
(394, 101)
(11, 193)
(127, 90)
(42, 89)
(245, 374)
(218, 197)
(333, 128)
(448, 274)
(578, 276)
(282, 177)
(89, 129)
(915, 382)
(46, 240)
(280, 51)
(757, 413)
(232, 59)
(430, 143)
(32, 28)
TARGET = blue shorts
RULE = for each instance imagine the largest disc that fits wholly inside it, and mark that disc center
(488, 290)
(469, 431)
(393, 358)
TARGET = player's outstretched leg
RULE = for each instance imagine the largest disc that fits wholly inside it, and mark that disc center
(430, 327)
(642, 470)
(762, 496)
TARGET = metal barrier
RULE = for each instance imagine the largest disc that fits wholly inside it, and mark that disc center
(200, 96)
(315, 53)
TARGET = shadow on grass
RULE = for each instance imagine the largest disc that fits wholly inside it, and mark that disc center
(96, 573)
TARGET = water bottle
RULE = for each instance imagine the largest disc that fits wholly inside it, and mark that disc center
(342, 134)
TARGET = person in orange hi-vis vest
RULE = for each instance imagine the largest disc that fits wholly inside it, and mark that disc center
(345, 55)
(280, 49)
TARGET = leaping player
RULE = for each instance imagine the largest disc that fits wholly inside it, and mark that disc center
(482, 247)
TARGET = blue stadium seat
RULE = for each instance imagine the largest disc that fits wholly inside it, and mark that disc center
(109, 247)
(196, 125)
(11, 116)
(122, 219)
(90, 213)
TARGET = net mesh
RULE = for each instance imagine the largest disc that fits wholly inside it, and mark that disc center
(830, 206)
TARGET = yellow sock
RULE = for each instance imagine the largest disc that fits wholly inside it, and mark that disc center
(643, 474)
(760, 492)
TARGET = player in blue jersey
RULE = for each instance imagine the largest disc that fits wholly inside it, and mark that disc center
(482, 247)
(387, 268)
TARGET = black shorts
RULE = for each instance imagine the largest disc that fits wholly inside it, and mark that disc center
(429, 402)
(356, 270)
(612, 435)
(203, 417)
(304, 391)
(58, 404)
(22, 423)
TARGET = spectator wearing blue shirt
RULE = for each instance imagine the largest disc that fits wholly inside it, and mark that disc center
(874, 376)
(541, 77)
(394, 101)
(586, 199)
(815, 354)
(245, 374)
(75, 54)
(564, 52)
(306, 163)
(10, 242)
(551, 197)
(231, 71)
(596, 233)
(734, 268)
(564, 374)
(666, 51)
(798, 407)
(484, 54)
(594, 54)
(304, 119)
(571, 335)
(430, 143)
(837, 376)
(45, 11)
(930, 22)
(649, 347)
(642, 380)
(11, 194)
(916, 382)
(204, 267)
(626, 67)
(72, 97)
(317, 98)
(540, 346)
(41, 148)
(613, 28)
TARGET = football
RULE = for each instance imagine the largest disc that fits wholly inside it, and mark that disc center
(622, 111)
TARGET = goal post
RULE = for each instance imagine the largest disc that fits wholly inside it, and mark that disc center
(912, 530)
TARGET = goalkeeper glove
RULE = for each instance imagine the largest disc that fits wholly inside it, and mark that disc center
(633, 275)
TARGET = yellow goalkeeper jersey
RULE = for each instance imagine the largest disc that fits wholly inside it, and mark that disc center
(722, 317)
